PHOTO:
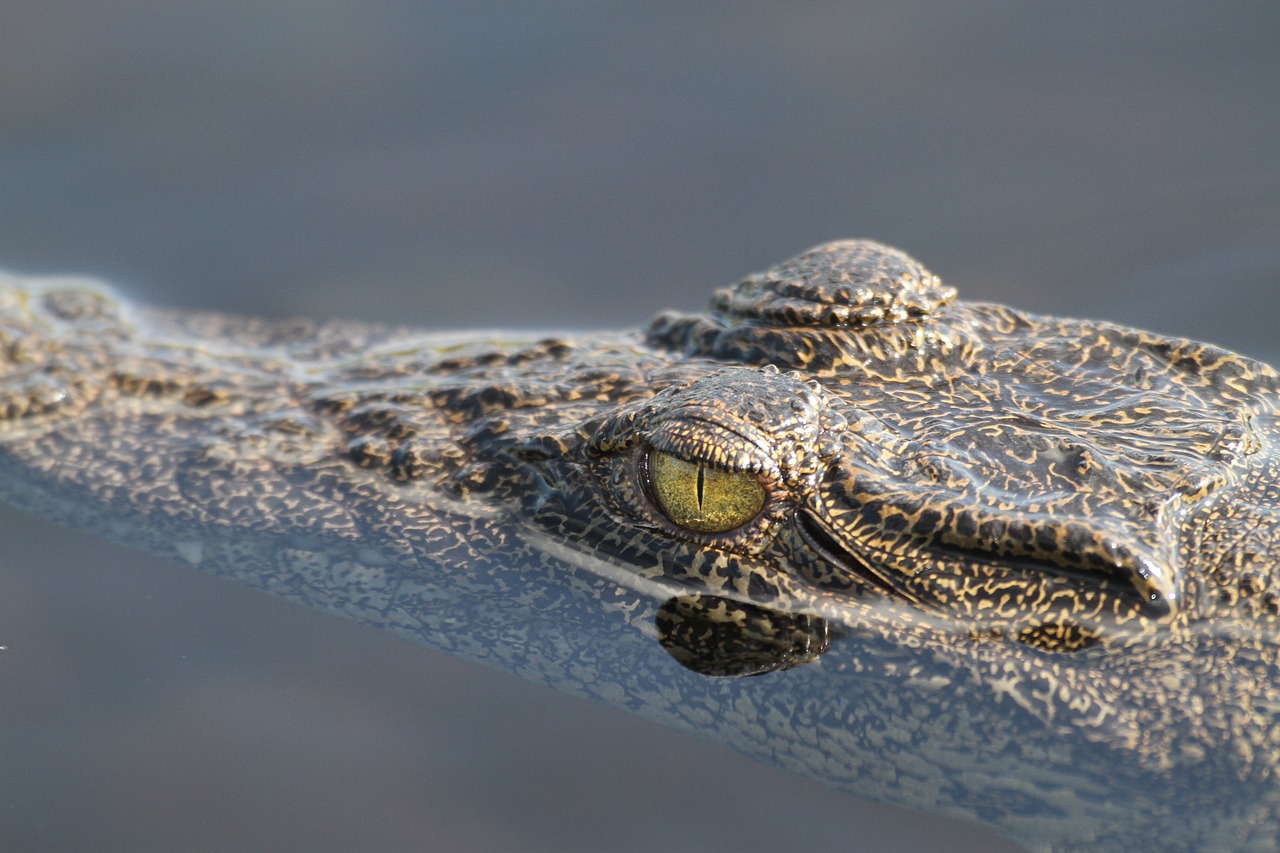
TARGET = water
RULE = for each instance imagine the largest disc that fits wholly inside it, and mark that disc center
(453, 166)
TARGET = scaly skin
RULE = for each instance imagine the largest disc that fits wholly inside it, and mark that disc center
(1013, 568)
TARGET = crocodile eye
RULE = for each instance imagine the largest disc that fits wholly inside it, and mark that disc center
(702, 498)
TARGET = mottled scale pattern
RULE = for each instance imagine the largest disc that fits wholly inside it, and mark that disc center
(1017, 568)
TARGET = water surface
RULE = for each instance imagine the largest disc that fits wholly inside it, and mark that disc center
(452, 165)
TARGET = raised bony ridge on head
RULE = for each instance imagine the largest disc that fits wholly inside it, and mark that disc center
(830, 293)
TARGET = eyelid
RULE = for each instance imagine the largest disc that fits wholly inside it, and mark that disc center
(710, 443)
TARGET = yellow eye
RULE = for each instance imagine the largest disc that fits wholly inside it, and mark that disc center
(701, 498)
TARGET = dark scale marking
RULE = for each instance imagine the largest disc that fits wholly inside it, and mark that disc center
(1015, 567)
(928, 521)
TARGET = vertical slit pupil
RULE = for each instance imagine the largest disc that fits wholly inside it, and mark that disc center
(701, 481)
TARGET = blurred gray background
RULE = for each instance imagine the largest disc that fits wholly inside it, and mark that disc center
(560, 164)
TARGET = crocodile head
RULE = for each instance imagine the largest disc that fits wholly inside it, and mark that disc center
(1040, 482)
(1013, 567)
(1072, 522)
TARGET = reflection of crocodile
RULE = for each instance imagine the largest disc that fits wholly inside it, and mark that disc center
(1010, 567)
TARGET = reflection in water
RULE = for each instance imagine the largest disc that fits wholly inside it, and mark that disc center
(726, 638)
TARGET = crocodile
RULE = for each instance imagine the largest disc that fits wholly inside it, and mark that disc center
(1012, 568)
